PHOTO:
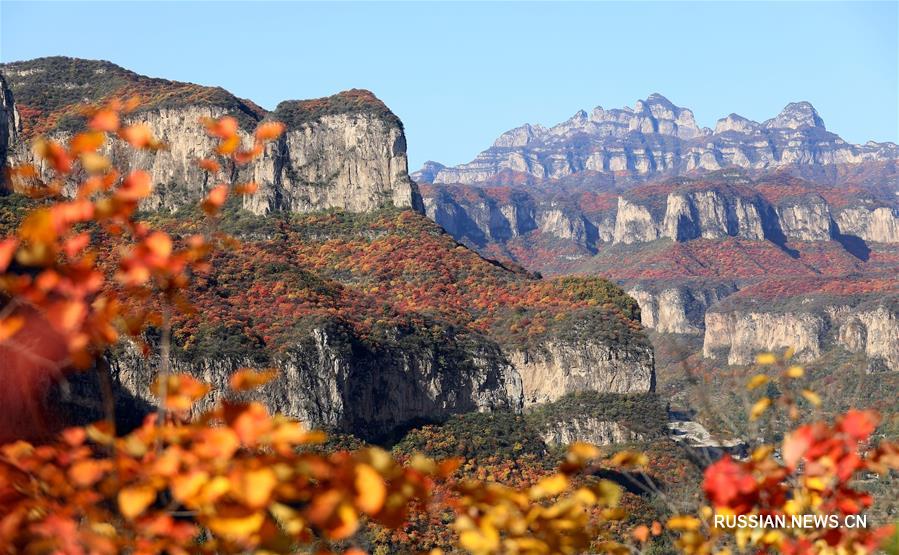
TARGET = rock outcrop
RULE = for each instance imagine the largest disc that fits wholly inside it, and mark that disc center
(657, 138)
(679, 309)
(583, 363)
(332, 379)
(9, 122)
(870, 327)
(589, 430)
(347, 151)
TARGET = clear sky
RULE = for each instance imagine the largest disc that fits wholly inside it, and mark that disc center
(459, 74)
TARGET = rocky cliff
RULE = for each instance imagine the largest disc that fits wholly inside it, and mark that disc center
(9, 121)
(347, 151)
(867, 322)
(657, 138)
(333, 379)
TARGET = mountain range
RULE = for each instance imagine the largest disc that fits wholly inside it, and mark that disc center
(657, 139)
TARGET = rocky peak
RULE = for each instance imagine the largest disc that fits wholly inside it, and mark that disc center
(796, 115)
(428, 171)
(656, 138)
(736, 123)
(520, 136)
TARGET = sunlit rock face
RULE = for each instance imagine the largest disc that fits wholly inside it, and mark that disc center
(871, 328)
(347, 151)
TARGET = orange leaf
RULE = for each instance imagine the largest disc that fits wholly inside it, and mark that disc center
(215, 199)
(86, 142)
(76, 244)
(86, 473)
(10, 326)
(7, 251)
(228, 146)
(216, 443)
(370, 489)
(104, 120)
(269, 131)
(159, 243)
(55, 154)
(248, 188)
(67, 315)
(222, 128)
(134, 500)
(95, 163)
(641, 533)
(181, 391)
(139, 136)
(236, 523)
(135, 187)
(209, 165)
(247, 378)
(859, 424)
(254, 486)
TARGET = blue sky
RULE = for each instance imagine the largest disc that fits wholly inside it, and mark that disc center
(459, 74)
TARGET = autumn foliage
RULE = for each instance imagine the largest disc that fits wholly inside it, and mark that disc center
(83, 272)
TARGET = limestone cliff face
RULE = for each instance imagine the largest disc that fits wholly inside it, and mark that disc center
(655, 138)
(809, 220)
(879, 225)
(739, 336)
(333, 380)
(554, 368)
(689, 215)
(678, 309)
(347, 151)
(9, 121)
(634, 223)
(871, 328)
(589, 430)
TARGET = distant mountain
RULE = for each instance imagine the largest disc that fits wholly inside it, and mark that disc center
(657, 139)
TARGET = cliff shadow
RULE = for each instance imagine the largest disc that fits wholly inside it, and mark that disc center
(77, 401)
(773, 232)
(854, 245)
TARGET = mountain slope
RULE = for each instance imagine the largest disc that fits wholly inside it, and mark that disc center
(376, 317)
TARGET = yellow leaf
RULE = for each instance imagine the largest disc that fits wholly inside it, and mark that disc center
(134, 500)
(371, 490)
(549, 486)
(609, 493)
(248, 378)
(795, 372)
(684, 522)
(629, 458)
(765, 358)
(94, 163)
(580, 453)
(236, 523)
(815, 483)
(756, 381)
(759, 408)
(255, 486)
(186, 486)
(811, 397)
